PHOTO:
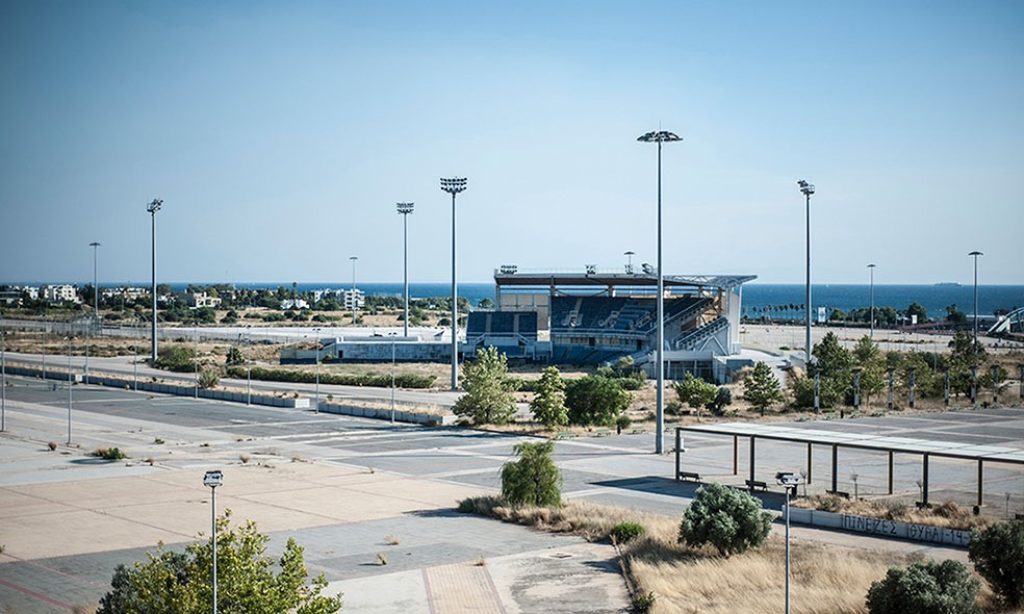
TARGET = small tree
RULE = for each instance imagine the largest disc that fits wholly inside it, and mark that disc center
(548, 404)
(533, 479)
(723, 398)
(925, 588)
(488, 398)
(998, 556)
(695, 392)
(761, 388)
(730, 520)
(234, 357)
(595, 400)
(247, 582)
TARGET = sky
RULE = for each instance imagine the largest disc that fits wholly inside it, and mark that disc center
(281, 135)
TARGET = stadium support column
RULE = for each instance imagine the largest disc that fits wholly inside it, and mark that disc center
(807, 189)
(660, 137)
(453, 186)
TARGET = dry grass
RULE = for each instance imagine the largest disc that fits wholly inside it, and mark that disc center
(826, 578)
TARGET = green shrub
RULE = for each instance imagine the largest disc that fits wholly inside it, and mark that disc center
(925, 588)
(208, 378)
(643, 602)
(109, 453)
(374, 380)
(533, 479)
(595, 400)
(998, 556)
(623, 422)
(234, 357)
(180, 358)
(548, 405)
(729, 519)
(626, 531)
(488, 398)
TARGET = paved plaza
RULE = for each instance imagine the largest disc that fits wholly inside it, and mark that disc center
(349, 489)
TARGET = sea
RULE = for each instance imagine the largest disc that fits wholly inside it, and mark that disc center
(934, 298)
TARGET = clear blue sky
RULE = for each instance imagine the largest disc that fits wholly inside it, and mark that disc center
(280, 135)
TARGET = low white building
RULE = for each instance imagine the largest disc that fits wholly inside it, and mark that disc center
(202, 299)
(128, 294)
(345, 297)
(61, 293)
(296, 303)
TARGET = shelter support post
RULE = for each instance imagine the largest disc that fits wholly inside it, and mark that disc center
(835, 467)
(752, 438)
(735, 454)
(890, 471)
(679, 441)
(924, 481)
(981, 481)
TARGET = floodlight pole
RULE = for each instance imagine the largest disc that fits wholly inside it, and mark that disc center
(974, 369)
(152, 208)
(453, 186)
(3, 377)
(95, 278)
(213, 479)
(807, 189)
(70, 375)
(787, 548)
(405, 209)
(317, 394)
(353, 259)
(871, 267)
(660, 137)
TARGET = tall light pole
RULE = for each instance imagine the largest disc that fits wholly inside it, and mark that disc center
(213, 479)
(3, 377)
(871, 267)
(807, 189)
(974, 369)
(454, 185)
(70, 375)
(152, 208)
(660, 137)
(405, 209)
(353, 259)
(789, 481)
(95, 287)
(629, 261)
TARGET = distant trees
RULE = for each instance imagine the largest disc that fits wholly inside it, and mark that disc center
(954, 315)
(595, 400)
(488, 398)
(916, 309)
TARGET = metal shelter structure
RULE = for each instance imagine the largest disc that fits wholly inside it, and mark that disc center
(927, 449)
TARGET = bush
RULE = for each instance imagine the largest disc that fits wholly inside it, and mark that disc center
(533, 479)
(488, 398)
(695, 392)
(595, 400)
(730, 520)
(376, 380)
(109, 453)
(626, 531)
(234, 357)
(623, 422)
(208, 378)
(998, 556)
(925, 588)
(723, 398)
(180, 358)
(249, 580)
(643, 602)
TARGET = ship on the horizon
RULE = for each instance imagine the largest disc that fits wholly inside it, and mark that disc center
(947, 284)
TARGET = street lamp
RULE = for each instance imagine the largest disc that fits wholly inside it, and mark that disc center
(871, 267)
(807, 189)
(454, 185)
(974, 368)
(152, 208)
(405, 209)
(213, 479)
(70, 375)
(659, 137)
(353, 259)
(789, 481)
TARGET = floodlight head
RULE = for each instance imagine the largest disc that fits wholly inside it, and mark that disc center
(805, 188)
(213, 479)
(154, 206)
(659, 136)
(94, 244)
(975, 254)
(404, 208)
(629, 253)
(353, 258)
(453, 185)
(787, 478)
(871, 266)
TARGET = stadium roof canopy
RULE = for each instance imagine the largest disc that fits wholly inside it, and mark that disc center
(511, 276)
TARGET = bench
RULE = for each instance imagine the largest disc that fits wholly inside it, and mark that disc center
(752, 484)
(689, 475)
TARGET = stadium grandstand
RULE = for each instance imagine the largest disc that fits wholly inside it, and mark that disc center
(594, 317)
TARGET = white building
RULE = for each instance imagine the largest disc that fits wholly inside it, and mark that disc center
(297, 303)
(352, 299)
(128, 294)
(202, 299)
(61, 293)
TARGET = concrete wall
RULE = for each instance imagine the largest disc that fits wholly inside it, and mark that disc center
(163, 388)
(881, 527)
(378, 413)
